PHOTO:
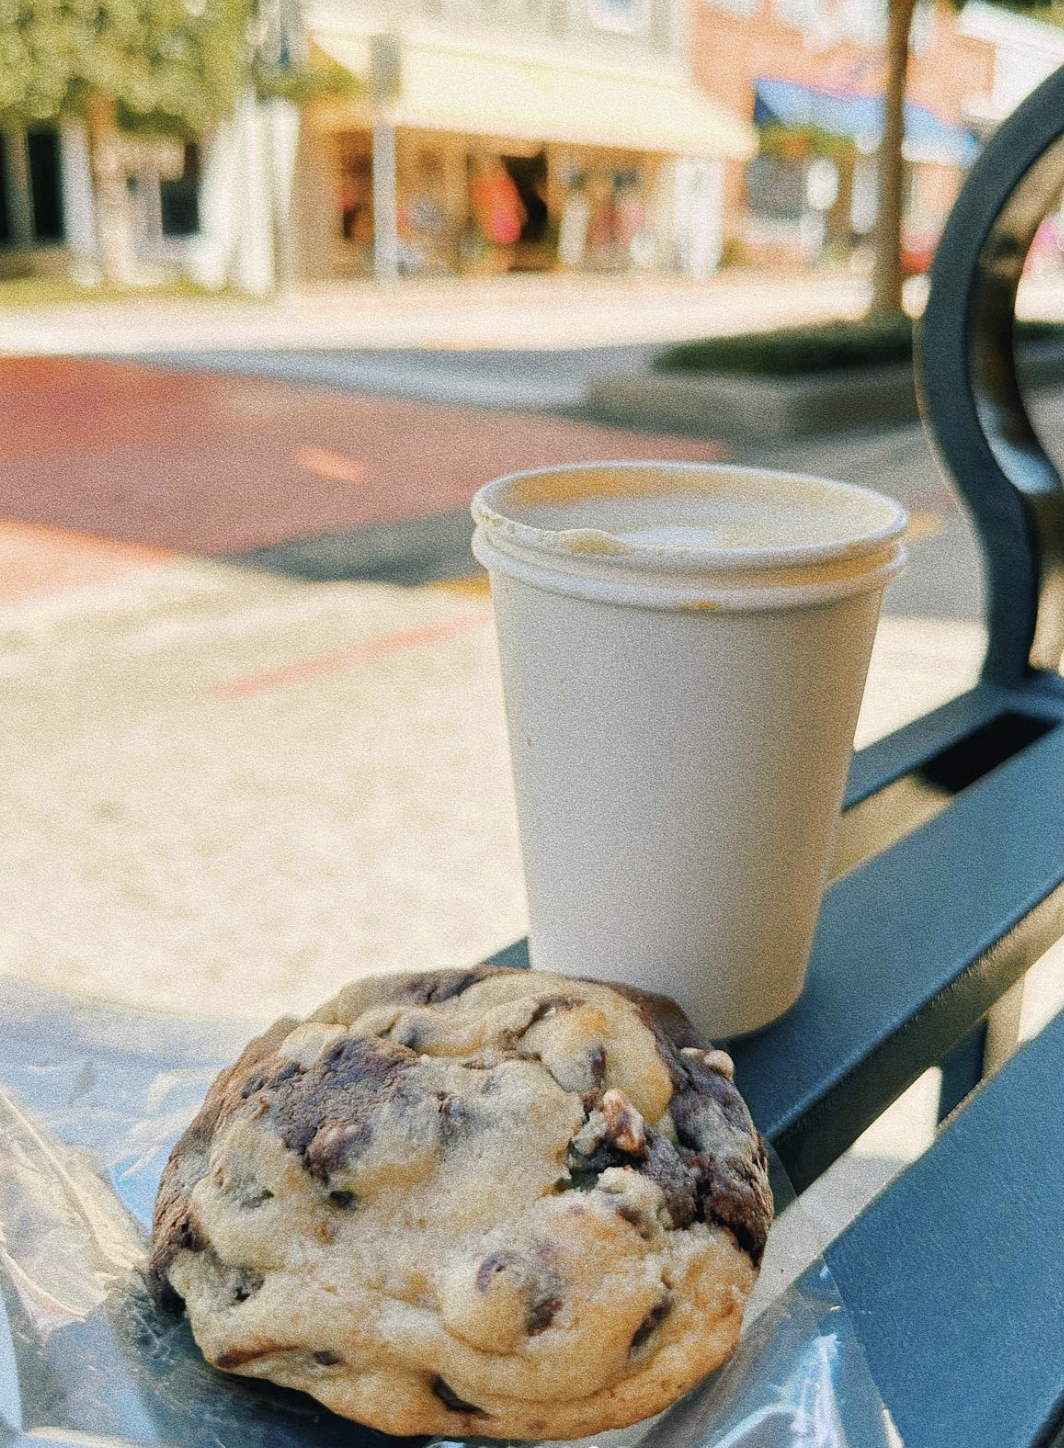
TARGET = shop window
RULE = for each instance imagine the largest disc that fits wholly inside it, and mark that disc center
(42, 149)
(5, 182)
(529, 175)
(922, 32)
(746, 8)
(776, 188)
(425, 233)
(356, 192)
(179, 209)
(605, 221)
(624, 16)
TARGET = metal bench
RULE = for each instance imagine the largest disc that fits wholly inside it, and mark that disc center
(955, 1275)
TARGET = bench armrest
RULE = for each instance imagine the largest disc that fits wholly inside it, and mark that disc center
(968, 388)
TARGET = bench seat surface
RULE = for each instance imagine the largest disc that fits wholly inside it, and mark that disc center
(955, 1275)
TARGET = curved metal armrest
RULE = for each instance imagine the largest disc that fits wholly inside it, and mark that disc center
(969, 393)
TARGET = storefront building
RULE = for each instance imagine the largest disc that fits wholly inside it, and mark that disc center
(549, 149)
(1026, 52)
(204, 210)
(811, 75)
(487, 136)
(591, 135)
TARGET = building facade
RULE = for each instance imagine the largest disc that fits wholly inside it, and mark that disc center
(486, 136)
(811, 73)
(527, 134)
(202, 210)
(498, 135)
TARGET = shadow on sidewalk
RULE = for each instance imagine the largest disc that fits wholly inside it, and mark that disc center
(412, 551)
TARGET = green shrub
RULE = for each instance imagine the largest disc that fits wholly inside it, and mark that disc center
(818, 347)
(823, 347)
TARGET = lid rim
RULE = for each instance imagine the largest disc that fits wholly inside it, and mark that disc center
(546, 543)
(738, 593)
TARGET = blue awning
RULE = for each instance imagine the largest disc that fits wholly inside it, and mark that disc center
(859, 119)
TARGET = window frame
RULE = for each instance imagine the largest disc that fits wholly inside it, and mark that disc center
(744, 9)
(602, 15)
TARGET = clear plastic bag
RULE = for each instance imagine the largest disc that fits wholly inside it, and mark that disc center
(92, 1098)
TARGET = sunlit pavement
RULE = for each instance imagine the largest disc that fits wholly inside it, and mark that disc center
(218, 772)
(214, 763)
(223, 787)
(283, 781)
(521, 311)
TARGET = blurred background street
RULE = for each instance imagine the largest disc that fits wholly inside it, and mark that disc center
(293, 454)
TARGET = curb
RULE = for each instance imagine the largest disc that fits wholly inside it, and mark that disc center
(736, 406)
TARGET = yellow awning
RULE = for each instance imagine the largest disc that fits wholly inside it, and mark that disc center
(535, 100)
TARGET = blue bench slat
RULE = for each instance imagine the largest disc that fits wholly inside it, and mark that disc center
(515, 955)
(900, 972)
(955, 1275)
(889, 758)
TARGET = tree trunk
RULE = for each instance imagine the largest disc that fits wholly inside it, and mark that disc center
(114, 232)
(887, 275)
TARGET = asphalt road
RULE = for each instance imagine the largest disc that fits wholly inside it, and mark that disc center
(944, 574)
(537, 380)
(943, 579)
(98, 458)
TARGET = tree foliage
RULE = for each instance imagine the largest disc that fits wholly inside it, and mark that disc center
(307, 81)
(165, 66)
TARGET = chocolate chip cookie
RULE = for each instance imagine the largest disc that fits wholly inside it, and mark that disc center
(487, 1202)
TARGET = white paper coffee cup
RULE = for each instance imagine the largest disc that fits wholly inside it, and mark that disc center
(683, 652)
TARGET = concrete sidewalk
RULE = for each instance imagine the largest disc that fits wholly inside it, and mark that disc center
(220, 785)
(218, 773)
(510, 313)
(506, 313)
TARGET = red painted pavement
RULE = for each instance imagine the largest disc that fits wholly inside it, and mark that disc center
(35, 559)
(206, 463)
